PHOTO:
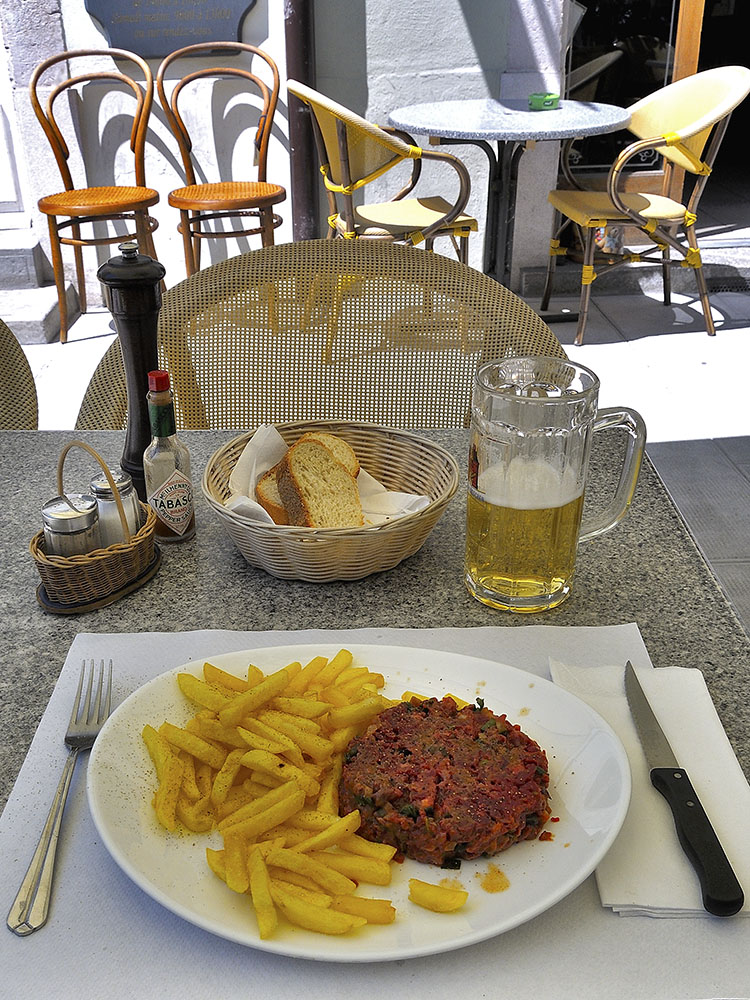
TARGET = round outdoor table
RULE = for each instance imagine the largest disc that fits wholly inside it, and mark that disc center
(510, 124)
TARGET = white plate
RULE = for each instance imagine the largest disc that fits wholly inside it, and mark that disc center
(589, 785)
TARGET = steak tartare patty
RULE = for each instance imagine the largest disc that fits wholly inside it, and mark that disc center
(441, 783)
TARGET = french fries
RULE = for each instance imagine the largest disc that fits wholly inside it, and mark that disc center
(439, 898)
(260, 763)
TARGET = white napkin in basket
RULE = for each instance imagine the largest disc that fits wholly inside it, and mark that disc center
(267, 447)
(646, 873)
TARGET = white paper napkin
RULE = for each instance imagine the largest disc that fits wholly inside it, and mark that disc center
(646, 873)
(267, 447)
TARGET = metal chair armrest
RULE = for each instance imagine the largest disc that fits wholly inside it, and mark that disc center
(463, 192)
(616, 170)
(416, 163)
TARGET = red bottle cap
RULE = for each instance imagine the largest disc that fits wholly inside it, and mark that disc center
(158, 381)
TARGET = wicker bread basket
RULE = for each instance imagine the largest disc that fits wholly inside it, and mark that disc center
(399, 460)
(91, 580)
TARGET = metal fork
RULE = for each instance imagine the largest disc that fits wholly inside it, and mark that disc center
(30, 907)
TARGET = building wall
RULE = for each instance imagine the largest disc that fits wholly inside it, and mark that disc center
(372, 55)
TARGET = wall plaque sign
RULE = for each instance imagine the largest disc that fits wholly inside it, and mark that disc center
(154, 28)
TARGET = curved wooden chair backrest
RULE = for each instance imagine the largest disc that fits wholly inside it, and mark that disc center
(223, 70)
(143, 91)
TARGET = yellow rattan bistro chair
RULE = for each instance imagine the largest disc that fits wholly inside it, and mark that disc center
(203, 206)
(18, 399)
(684, 122)
(353, 152)
(269, 337)
(83, 205)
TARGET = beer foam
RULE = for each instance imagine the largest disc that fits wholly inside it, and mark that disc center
(528, 484)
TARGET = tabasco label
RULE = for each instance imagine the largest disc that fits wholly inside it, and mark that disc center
(173, 502)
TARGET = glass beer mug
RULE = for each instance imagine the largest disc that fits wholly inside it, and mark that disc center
(531, 425)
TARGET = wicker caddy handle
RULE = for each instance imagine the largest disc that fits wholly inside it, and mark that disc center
(107, 473)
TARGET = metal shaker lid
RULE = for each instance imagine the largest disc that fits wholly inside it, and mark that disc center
(100, 486)
(59, 516)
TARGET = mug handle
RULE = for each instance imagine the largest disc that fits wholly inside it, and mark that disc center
(632, 422)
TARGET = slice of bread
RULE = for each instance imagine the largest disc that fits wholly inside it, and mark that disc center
(341, 450)
(315, 488)
(267, 495)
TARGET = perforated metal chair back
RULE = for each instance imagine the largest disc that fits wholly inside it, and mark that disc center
(324, 329)
(19, 409)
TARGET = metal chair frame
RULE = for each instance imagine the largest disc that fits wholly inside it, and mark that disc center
(348, 220)
(692, 147)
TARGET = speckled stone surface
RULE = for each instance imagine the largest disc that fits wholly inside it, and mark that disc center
(647, 570)
(508, 119)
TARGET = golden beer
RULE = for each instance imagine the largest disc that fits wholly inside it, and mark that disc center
(521, 559)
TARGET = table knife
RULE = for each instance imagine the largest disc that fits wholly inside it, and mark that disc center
(722, 893)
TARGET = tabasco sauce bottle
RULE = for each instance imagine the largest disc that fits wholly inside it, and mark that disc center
(166, 466)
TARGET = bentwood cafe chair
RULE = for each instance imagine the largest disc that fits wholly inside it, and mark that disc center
(353, 152)
(93, 84)
(327, 330)
(205, 207)
(685, 122)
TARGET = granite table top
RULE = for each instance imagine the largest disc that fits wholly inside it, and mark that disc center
(646, 570)
(508, 119)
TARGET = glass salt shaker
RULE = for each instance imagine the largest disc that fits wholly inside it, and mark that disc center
(110, 525)
(71, 530)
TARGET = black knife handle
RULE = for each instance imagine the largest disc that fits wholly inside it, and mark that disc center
(722, 893)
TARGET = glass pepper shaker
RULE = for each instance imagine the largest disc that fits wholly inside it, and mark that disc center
(110, 525)
(71, 528)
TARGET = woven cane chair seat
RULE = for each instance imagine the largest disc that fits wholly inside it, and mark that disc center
(18, 399)
(225, 195)
(90, 201)
(327, 330)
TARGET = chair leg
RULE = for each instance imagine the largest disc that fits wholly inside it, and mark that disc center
(266, 224)
(143, 234)
(187, 243)
(548, 282)
(587, 277)
(666, 275)
(80, 273)
(57, 267)
(551, 263)
(196, 244)
(700, 279)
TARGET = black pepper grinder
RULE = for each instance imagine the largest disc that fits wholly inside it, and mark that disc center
(133, 296)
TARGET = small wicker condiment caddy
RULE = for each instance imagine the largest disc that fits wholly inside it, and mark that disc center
(399, 460)
(74, 584)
